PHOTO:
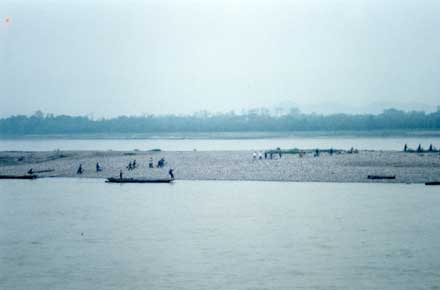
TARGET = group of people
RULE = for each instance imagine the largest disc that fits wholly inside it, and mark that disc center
(270, 154)
(160, 163)
(266, 154)
(131, 166)
(420, 148)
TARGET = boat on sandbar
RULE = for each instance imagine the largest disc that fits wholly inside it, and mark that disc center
(29, 176)
(138, 180)
(381, 177)
(432, 183)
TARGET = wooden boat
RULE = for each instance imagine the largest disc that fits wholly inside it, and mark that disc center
(432, 183)
(43, 170)
(381, 177)
(30, 176)
(138, 180)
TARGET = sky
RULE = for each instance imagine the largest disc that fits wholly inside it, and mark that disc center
(110, 58)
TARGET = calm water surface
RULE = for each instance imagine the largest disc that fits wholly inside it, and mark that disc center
(218, 235)
(303, 142)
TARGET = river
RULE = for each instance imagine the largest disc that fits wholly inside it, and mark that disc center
(208, 144)
(86, 234)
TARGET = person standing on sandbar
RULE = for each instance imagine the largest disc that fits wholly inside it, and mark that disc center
(171, 173)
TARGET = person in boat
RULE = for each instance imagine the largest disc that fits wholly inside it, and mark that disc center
(120, 174)
(30, 171)
(98, 167)
(80, 170)
(150, 163)
(405, 148)
(171, 173)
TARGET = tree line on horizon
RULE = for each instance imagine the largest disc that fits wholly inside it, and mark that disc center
(253, 120)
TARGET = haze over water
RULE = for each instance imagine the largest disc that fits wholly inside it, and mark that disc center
(170, 61)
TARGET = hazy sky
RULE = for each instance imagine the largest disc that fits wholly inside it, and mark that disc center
(179, 56)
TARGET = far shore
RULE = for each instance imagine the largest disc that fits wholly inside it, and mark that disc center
(230, 165)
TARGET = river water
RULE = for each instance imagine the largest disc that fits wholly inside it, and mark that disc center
(86, 234)
(207, 144)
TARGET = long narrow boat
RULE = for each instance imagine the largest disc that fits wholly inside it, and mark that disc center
(432, 183)
(43, 170)
(30, 176)
(381, 177)
(138, 180)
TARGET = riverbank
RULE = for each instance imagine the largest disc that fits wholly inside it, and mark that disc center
(229, 165)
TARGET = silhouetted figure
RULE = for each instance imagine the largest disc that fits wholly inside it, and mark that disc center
(120, 174)
(80, 170)
(134, 164)
(430, 147)
(265, 155)
(161, 163)
(271, 155)
(316, 153)
(405, 148)
(171, 173)
(419, 149)
(130, 167)
(150, 163)
(98, 167)
(331, 151)
(30, 171)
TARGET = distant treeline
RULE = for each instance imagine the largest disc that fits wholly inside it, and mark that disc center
(254, 120)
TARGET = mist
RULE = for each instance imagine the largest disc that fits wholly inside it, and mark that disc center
(111, 58)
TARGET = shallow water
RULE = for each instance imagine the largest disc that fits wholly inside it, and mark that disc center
(85, 234)
(303, 142)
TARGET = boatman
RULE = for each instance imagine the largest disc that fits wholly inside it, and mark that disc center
(80, 170)
(170, 172)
